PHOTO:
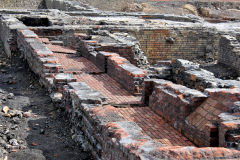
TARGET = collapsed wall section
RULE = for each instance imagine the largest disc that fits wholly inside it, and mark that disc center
(193, 76)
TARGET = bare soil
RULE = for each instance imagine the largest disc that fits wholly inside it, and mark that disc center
(39, 130)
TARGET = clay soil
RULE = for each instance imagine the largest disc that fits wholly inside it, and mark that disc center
(39, 130)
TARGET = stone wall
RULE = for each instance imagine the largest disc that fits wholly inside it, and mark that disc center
(229, 51)
(191, 75)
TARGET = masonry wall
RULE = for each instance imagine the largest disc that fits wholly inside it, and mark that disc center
(191, 75)
(229, 51)
(196, 115)
(173, 43)
(8, 26)
(119, 68)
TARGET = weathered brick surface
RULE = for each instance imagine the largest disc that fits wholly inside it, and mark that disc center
(135, 133)
(109, 88)
(123, 51)
(119, 68)
(202, 122)
(174, 102)
(75, 64)
(154, 126)
(186, 44)
(101, 60)
(112, 134)
(125, 73)
(8, 27)
(40, 59)
(115, 134)
(60, 49)
(229, 51)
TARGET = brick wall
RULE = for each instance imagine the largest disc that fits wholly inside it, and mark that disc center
(229, 51)
(203, 125)
(100, 129)
(174, 102)
(207, 119)
(8, 27)
(173, 43)
(40, 59)
(119, 68)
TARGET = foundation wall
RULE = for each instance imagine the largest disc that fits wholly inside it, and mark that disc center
(117, 67)
(8, 26)
(174, 43)
(195, 114)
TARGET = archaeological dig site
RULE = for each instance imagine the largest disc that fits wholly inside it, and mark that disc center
(119, 79)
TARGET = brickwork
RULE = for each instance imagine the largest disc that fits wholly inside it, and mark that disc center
(119, 68)
(165, 44)
(229, 52)
(97, 87)
(154, 126)
(125, 73)
(193, 113)
(123, 51)
(75, 64)
(204, 118)
(60, 49)
(174, 102)
(8, 27)
(109, 88)
(85, 70)
(123, 126)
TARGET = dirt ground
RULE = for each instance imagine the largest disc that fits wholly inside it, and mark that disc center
(105, 5)
(31, 127)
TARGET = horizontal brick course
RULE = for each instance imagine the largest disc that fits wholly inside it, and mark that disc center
(75, 64)
(108, 87)
(154, 126)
